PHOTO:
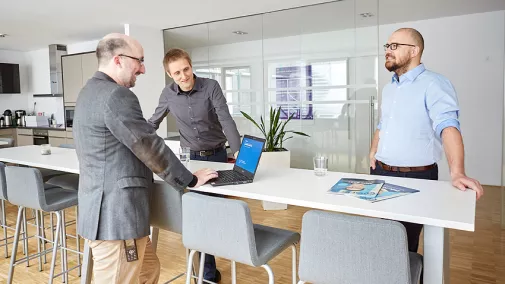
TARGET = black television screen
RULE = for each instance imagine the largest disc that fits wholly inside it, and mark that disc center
(9, 79)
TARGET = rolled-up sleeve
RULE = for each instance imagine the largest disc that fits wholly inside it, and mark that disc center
(442, 105)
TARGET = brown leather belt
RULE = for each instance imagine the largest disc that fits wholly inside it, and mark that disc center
(406, 169)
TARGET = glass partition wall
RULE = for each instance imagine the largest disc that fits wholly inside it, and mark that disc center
(317, 63)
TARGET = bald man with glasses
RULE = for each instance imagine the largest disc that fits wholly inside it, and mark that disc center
(419, 118)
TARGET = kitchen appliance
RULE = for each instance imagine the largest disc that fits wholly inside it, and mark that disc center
(40, 137)
(2, 122)
(20, 117)
(8, 117)
(37, 121)
(69, 116)
(55, 71)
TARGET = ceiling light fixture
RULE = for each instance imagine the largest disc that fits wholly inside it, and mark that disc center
(3, 35)
(366, 15)
(239, 32)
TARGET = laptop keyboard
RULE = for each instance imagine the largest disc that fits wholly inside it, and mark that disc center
(230, 176)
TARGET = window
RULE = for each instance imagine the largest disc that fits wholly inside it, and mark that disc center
(299, 87)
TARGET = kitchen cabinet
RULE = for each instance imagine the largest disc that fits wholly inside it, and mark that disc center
(77, 70)
(24, 137)
(89, 66)
(24, 140)
(8, 133)
(56, 138)
(57, 141)
(72, 77)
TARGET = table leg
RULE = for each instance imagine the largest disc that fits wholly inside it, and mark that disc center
(436, 255)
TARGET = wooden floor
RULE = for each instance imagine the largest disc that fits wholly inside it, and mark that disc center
(476, 257)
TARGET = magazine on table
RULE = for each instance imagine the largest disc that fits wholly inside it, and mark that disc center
(389, 191)
(357, 187)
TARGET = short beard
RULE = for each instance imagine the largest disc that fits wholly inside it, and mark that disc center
(399, 69)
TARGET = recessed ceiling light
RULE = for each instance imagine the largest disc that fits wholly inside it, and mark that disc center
(3, 35)
(366, 15)
(239, 32)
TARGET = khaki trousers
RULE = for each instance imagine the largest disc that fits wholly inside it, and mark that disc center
(110, 265)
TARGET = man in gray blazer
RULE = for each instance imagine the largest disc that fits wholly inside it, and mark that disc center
(118, 152)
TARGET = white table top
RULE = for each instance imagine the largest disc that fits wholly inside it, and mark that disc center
(437, 204)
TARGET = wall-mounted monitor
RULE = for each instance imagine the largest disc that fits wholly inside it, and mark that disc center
(9, 79)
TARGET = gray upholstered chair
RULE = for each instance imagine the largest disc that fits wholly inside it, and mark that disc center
(223, 227)
(339, 248)
(65, 180)
(25, 188)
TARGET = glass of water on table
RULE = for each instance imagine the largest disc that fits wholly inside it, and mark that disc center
(184, 155)
(320, 165)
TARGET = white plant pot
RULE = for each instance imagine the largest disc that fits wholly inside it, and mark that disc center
(274, 160)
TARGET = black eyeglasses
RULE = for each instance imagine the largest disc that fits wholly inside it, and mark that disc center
(140, 60)
(394, 45)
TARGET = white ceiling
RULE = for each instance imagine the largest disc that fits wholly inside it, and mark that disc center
(34, 24)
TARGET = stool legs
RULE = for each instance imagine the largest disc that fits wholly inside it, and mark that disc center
(55, 245)
(270, 273)
(293, 262)
(4, 227)
(15, 244)
(233, 272)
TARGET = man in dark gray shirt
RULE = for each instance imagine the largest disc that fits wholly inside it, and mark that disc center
(200, 109)
(201, 112)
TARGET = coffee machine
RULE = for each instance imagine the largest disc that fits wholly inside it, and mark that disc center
(8, 118)
(20, 117)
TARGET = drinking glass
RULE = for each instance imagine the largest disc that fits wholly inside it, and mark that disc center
(320, 165)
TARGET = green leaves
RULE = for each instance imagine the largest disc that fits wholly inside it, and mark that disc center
(275, 134)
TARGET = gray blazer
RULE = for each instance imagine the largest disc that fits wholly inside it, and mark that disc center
(118, 152)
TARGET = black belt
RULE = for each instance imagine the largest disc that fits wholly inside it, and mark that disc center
(206, 153)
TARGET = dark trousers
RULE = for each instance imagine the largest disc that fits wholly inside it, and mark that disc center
(413, 230)
(209, 271)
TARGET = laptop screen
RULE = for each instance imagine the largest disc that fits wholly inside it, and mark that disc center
(249, 154)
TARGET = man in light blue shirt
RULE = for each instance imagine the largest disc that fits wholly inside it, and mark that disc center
(419, 118)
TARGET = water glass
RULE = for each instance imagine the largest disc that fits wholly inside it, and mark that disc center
(45, 149)
(184, 155)
(320, 166)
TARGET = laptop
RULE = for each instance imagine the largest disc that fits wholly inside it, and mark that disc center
(246, 164)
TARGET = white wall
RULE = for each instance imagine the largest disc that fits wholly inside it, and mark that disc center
(149, 86)
(16, 101)
(469, 50)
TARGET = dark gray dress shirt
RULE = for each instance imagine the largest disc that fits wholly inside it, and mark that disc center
(201, 115)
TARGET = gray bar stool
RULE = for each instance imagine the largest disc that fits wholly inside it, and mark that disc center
(339, 248)
(26, 189)
(224, 228)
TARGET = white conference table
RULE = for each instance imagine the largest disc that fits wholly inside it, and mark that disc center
(438, 205)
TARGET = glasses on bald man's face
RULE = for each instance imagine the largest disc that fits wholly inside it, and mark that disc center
(394, 45)
(140, 60)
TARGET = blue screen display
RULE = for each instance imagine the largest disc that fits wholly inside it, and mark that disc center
(249, 155)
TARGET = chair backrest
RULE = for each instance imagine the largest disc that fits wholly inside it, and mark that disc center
(10, 142)
(25, 187)
(68, 146)
(3, 182)
(339, 248)
(218, 226)
(166, 207)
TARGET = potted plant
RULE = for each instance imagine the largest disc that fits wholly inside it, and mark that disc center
(274, 154)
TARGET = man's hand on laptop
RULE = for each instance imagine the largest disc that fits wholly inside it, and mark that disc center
(204, 175)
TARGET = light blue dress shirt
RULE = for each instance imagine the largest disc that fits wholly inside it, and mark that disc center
(415, 109)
